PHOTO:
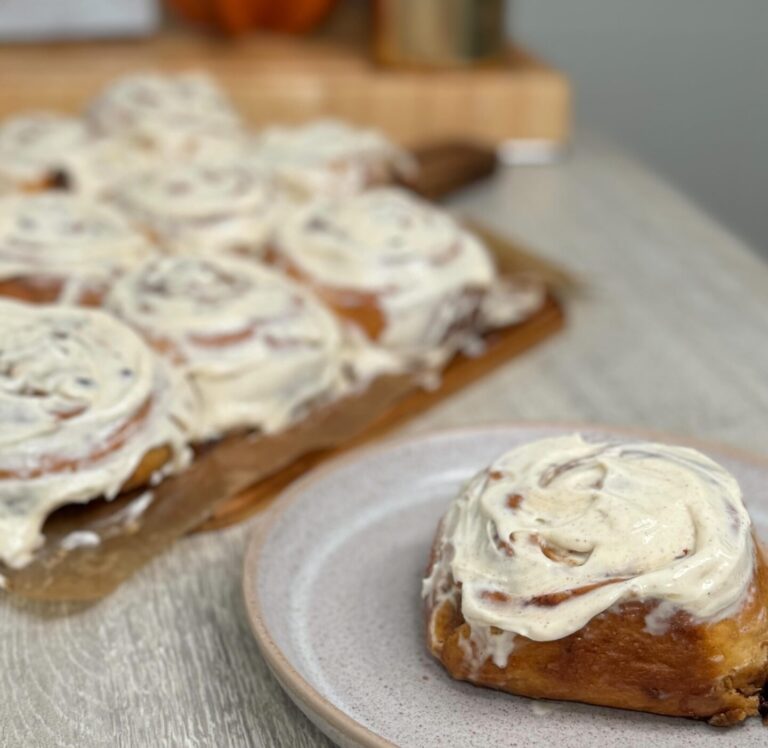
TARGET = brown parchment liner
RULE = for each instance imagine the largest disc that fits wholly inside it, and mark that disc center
(235, 477)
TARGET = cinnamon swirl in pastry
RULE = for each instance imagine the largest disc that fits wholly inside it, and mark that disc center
(257, 348)
(34, 148)
(87, 410)
(328, 158)
(402, 270)
(207, 206)
(60, 247)
(624, 575)
(172, 115)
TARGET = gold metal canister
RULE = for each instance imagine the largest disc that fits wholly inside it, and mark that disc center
(439, 33)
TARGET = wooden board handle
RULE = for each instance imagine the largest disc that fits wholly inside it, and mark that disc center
(447, 167)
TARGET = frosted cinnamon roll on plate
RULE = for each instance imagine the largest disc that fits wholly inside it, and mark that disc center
(329, 158)
(402, 270)
(34, 149)
(175, 115)
(257, 348)
(625, 575)
(210, 207)
(56, 247)
(87, 411)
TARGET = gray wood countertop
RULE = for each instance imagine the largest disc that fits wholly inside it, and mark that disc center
(671, 333)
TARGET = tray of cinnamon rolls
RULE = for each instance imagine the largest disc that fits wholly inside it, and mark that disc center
(193, 313)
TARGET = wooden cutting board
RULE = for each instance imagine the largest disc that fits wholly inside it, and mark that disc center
(286, 79)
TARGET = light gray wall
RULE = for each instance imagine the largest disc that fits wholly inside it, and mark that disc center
(682, 83)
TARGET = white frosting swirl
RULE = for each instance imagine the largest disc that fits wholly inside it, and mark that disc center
(82, 401)
(425, 272)
(206, 206)
(93, 171)
(558, 531)
(255, 346)
(170, 114)
(67, 238)
(330, 158)
(34, 146)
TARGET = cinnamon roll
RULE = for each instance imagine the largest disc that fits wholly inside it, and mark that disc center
(95, 170)
(257, 348)
(34, 148)
(402, 270)
(174, 115)
(60, 247)
(625, 575)
(329, 158)
(207, 206)
(87, 410)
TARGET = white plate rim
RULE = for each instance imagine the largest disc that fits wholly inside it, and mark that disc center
(307, 697)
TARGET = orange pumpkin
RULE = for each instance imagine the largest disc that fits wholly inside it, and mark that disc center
(237, 17)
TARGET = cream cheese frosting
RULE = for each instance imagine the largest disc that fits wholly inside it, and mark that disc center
(330, 158)
(34, 146)
(171, 114)
(256, 347)
(205, 206)
(558, 531)
(426, 273)
(82, 400)
(94, 170)
(82, 243)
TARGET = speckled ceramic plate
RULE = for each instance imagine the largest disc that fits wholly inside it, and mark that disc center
(332, 584)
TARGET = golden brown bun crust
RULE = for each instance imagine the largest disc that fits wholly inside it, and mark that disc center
(43, 291)
(364, 309)
(56, 180)
(152, 461)
(706, 671)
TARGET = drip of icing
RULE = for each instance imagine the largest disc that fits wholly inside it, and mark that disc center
(255, 346)
(34, 145)
(80, 539)
(173, 115)
(137, 507)
(82, 400)
(558, 531)
(417, 261)
(66, 237)
(543, 708)
(658, 620)
(330, 158)
(510, 301)
(208, 206)
(130, 516)
(486, 643)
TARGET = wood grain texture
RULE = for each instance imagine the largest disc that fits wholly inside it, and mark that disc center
(282, 79)
(670, 335)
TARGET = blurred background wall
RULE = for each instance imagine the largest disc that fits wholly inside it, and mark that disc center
(682, 83)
